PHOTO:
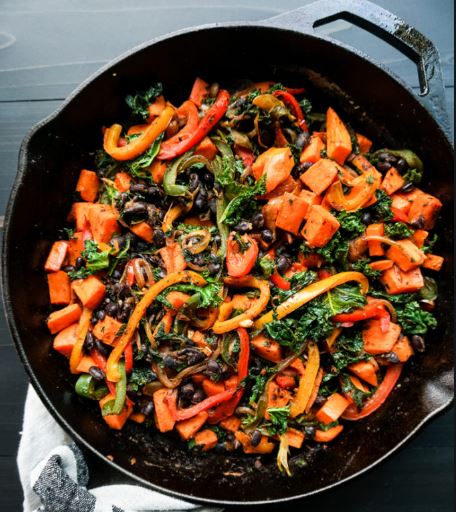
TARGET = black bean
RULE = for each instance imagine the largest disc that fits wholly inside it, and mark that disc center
(68, 268)
(134, 209)
(192, 355)
(79, 263)
(148, 408)
(255, 438)
(101, 313)
(117, 274)
(391, 159)
(243, 227)
(220, 447)
(193, 181)
(198, 396)
(213, 205)
(138, 188)
(302, 139)
(187, 390)
(213, 366)
(111, 309)
(383, 156)
(124, 291)
(392, 357)
(258, 221)
(309, 430)
(408, 187)
(283, 263)
(97, 373)
(208, 178)
(159, 238)
(366, 218)
(267, 236)
(401, 165)
(201, 199)
(213, 268)
(383, 166)
(154, 193)
(320, 400)
(418, 343)
(198, 259)
(104, 350)
(418, 223)
(89, 341)
(170, 362)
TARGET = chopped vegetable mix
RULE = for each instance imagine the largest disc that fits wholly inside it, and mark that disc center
(243, 269)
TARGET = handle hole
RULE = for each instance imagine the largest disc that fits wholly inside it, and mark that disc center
(378, 44)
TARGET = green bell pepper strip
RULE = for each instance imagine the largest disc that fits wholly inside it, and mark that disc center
(115, 406)
(85, 386)
(178, 166)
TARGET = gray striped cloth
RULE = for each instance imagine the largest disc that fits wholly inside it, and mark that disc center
(54, 474)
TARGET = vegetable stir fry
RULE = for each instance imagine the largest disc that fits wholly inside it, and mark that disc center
(243, 271)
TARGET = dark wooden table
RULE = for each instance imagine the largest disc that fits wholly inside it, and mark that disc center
(47, 48)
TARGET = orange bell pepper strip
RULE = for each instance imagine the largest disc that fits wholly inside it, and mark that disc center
(245, 319)
(211, 118)
(112, 372)
(139, 145)
(392, 375)
(306, 382)
(309, 293)
(83, 329)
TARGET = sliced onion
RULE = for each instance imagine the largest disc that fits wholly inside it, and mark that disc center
(203, 236)
(141, 267)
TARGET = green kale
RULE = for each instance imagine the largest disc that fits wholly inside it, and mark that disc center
(314, 320)
(202, 296)
(139, 377)
(347, 349)
(397, 230)
(334, 252)
(381, 210)
(349, 388)
(276, 87)
(94, 261)
(306, 106)
(139, 168)
(297, 281)
(362, 265)
(278, 420)
(243, 204)
(109, 194)
(267, 265)
(139, 102)
(410, 316)
(413, 176)
(295, 151)
(259, 383)
(69, 232)
(351, 224)
(428, 247)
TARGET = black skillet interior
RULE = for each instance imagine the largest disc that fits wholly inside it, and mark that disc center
(375, 103)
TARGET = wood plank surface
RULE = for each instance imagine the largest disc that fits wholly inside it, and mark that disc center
(48, 47)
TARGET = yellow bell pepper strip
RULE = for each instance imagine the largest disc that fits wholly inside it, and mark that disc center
(257, 307)
(83, 329)
(112, 372)
(309, 293)
(140, 144)
(171, 215)
(331, 339)
(306, 382)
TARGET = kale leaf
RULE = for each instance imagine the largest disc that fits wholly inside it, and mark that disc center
(413, 176)
(139, 377)
(397, 230)
(94, 261)
(278, 420)
(139, 168)
(362, 265)
(139, 102)
(381, 210)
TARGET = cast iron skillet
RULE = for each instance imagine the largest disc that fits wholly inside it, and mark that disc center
(286, 49)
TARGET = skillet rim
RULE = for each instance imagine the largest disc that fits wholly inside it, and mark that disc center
(9, 212)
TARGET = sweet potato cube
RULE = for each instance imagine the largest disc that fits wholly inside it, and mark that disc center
(103, 222)
(107, 330)
(332, 409)
(88, 185)
(59, 288)
(62, 318)
(188, 428)
(320, 176)
(292, 212)
(406, 255)
(320, 226)
(122, 181)
(392, 181)
(66, 339)
(423, 211)
(90, 291)
(80, 215)
(267, 348)
(143, 230)
(56, 256)
(165, 409)
(403, 349)
(206, 440)
(433, 262)
(378, 342)
(396, 281)
(312, 152)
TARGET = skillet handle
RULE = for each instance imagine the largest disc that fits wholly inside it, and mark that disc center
(390, 29)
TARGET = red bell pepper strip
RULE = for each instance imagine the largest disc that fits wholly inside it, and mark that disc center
(295, 90)
(208, 403)
(226, 409)
(392, 375)
(246, 155)
(130, 274)
(100, 361)
(373, 309)
(211, 118)
(128, 358)
(279, 281)
(292, 102)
